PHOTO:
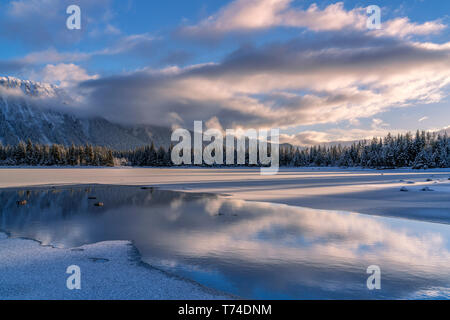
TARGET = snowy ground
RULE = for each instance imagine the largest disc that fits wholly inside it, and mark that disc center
(109, 270)
(364, 191)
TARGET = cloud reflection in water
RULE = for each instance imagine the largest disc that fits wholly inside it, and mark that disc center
(252, 249)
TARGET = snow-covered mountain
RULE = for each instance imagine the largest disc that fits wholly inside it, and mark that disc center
(22, 119)
(444, 131)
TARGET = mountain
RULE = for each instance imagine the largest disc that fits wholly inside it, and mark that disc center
(20, 119)
(348, 143)
(444, 131)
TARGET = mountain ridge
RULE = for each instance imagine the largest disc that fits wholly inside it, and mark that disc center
(22, 119)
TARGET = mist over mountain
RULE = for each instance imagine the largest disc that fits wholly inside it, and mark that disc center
(25, 113)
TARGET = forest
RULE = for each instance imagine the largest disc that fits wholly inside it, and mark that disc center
(421, 150)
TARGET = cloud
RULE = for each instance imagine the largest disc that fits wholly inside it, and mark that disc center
(282, 84)
(332, 77)
(254, 15)
(378, 128)
(345, 136)
(378, 123)
(52, 55)
(423, 119)
(28, 63)
(65, 75)
(141, 45)
(403, 27)
(134, 43)
(311, 137)
(36, 94)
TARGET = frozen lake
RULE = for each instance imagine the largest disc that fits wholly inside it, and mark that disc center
(250, 249)
(357, 190)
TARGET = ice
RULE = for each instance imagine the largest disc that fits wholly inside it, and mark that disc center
(109, 270)
(356, 190)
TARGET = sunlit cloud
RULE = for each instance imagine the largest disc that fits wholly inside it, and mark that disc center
(254, 15)
(302, 86)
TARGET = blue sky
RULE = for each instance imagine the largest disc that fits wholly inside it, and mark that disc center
(311, 68)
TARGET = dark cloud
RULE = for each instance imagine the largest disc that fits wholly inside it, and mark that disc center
(281, 84)
(342, 54)
(141, 98)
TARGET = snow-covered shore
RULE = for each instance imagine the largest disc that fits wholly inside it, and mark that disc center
(109, 270)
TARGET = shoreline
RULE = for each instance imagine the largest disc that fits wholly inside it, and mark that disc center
(101, 264)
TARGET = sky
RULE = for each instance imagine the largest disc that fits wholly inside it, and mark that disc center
(311, 68)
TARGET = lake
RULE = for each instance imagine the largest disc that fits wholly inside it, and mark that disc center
(253, 250)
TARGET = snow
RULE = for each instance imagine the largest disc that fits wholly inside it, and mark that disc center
(29, 87)
(109, 270)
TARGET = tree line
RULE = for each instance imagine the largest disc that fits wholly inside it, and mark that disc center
(420, 151)
(32, 154)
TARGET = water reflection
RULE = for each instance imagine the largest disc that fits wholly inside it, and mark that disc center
(254, 250)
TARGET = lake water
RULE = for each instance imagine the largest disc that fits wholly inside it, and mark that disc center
(250, 249)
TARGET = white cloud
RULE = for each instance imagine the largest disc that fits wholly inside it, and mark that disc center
(253, 15)
(52, 55)
(138, 44)
(246, 15)
(378, 123)
(403, 27)
(65, 75)
(311, 137)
